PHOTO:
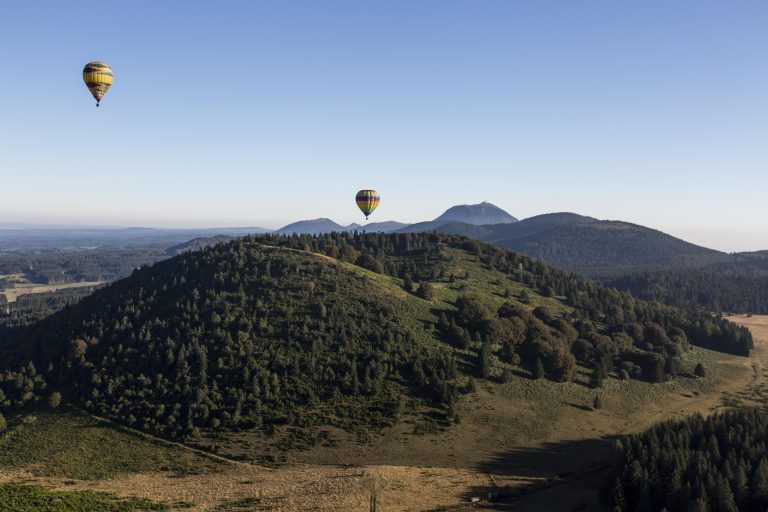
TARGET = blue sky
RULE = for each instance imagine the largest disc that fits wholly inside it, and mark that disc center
(262, 113)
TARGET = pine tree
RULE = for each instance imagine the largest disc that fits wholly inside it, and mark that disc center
(699, 505)
(758, 485)
(722, 497)
(55, 399)
(596, 379)
(740, 489)
(616, 496)
(486, 360)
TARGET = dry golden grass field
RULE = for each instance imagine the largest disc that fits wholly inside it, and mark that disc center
(25, 288)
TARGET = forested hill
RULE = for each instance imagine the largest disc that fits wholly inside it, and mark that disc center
(648, 263)
(739, 285)
(609, 247)
(592, 247)
(336, 329)
(700, 289)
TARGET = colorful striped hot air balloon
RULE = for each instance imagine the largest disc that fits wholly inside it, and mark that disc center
(97, 77)
(367, 200)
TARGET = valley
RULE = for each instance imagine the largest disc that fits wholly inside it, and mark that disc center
(563, 465)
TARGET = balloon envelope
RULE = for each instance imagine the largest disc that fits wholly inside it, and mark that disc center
(367, 200)
(97, 77)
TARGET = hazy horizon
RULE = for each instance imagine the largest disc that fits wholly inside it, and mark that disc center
(264, 114)
(703, 238)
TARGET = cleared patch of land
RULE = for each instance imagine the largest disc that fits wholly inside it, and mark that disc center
(297, 487)
(68, 450)
(12, 294)
(14, 278)
(758, 324)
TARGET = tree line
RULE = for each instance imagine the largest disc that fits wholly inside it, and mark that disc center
(713, 464)
(71, 267)
(700, 289)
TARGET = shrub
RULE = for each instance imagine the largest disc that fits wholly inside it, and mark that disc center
(55, 399)
(426, 291)
(369, 262)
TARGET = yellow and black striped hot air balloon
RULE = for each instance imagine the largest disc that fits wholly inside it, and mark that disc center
(97, 77)
(367, 200)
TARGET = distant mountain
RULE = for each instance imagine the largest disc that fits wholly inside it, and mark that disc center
(323, 225)
(648, 263)
(469, 214)
(596, 248)
(311, 227)
(196, 244)
(537, 224)
(464, 229)
(599, 247)
(610, 247)
(477, 214)
(383, 227)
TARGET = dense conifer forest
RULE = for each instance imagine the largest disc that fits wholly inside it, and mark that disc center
(70, 267)
(268, 330)
(30, 308)
(735, 292)
(650, 264)
(718, 464)
(607, 248)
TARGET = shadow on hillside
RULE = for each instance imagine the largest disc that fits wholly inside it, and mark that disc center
(578, 406)
(518, 372)
(545, 467)
(549, 459)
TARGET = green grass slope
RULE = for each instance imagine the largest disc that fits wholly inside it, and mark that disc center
(34, 498)
(70, 444)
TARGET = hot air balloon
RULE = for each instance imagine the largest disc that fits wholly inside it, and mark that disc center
(367, 200)
(97, 77)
